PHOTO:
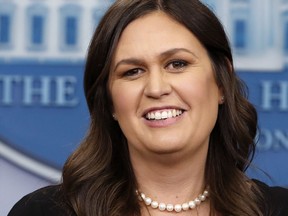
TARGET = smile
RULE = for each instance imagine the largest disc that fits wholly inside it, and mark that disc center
(160, 115)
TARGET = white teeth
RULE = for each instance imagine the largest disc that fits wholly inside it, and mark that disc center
(174, 113)
(164, 115)
(158, 115)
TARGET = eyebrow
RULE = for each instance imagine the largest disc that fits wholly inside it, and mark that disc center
(176, 50)
(170, 52)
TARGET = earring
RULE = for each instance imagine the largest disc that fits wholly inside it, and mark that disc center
(114, 116)
(222, 100)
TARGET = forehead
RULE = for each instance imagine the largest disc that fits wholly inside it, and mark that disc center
(155, 33)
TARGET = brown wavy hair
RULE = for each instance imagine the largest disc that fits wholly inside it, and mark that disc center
(98, 178)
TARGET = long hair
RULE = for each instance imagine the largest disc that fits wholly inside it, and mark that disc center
(98, 178)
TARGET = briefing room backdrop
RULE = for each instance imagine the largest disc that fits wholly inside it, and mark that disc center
(43, 114)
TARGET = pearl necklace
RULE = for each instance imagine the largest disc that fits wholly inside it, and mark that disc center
(170, 207)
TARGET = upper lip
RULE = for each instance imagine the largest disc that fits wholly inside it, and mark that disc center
(162, 108)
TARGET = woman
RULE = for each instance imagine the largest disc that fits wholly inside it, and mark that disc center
(171, 129)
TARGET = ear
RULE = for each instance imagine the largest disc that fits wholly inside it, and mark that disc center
(222, 100)
(230, 68)
(221, 97)
(112, 110)
(230, 65)
(114, 116)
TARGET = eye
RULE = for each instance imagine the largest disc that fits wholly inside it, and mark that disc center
(176, 65)
(133, 72)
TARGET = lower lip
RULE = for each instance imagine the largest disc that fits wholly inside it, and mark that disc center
(163, 123)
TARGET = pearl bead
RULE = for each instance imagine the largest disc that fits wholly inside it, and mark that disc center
(192, 204)
(143, 196)
(185, 206)
(197, 201)
(178, 208)
(162, 206)
(170, 207)
(154, 204)
(147, 200)
(206, 193)
(202, 197)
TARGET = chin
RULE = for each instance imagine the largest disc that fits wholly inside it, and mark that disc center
(167, 149)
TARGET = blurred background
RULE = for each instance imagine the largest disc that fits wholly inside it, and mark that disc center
(43, 114)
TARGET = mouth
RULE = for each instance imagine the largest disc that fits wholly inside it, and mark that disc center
(163, 114)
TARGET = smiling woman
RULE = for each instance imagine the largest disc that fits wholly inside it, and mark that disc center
(171, 129)
(160, 71)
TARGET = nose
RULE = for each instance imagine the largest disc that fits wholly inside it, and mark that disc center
(157, 85)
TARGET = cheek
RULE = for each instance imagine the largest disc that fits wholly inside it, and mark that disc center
(119, 105)
(123, 98)
(200, 90)
(194, 87)
(118, 99)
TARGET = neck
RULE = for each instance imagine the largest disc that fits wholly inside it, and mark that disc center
(171, 178)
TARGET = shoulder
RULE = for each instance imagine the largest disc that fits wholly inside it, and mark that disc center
(276, 198)
(45, 201)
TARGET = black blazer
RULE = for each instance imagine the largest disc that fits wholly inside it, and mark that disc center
(48, 201)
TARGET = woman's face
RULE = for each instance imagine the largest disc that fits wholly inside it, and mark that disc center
(164, 93)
